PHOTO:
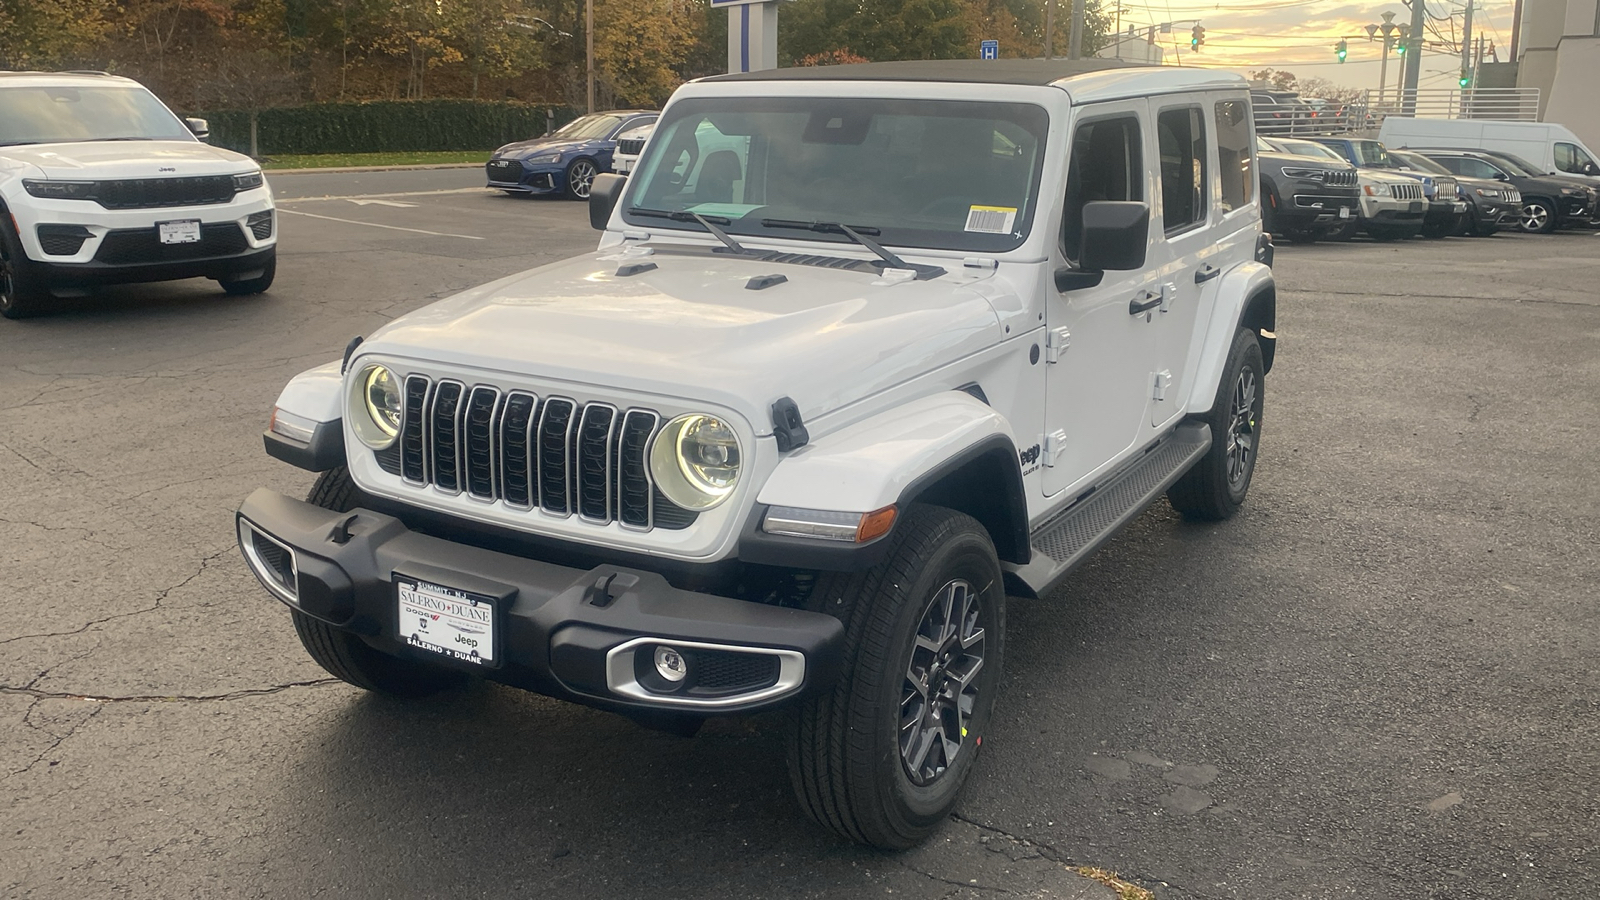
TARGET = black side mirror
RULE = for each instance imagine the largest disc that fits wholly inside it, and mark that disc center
(603, 197)
(1501, 176)
(199, 128)
(1589, 168)
(1115, 234)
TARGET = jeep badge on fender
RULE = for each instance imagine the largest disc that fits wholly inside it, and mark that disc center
(786, 437)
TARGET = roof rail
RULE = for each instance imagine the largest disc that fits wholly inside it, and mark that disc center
(85, 72)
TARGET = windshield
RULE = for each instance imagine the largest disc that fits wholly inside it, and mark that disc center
(589, 127)
(1311, 148)
(1517, 165)
(49, 115)
(942, 174)
(1419, 163)
(1371, 153)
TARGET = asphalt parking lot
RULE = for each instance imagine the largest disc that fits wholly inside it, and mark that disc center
(1379, 680)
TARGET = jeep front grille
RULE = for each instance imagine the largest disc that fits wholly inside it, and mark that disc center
(528, 452)
(1412, 191)
(1339, 178)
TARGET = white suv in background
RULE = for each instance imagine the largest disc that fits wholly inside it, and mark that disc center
(630, 144)
(101, 184)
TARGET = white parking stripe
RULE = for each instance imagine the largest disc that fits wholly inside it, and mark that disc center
(296, 212)
(283, 200)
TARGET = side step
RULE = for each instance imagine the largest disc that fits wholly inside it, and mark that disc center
(1066, 540)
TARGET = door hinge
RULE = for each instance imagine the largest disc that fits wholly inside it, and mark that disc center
(1054, 443)
(1056, 343)
(1163, 380)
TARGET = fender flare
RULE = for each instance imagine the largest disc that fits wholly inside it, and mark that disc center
(927, 450)
(1247, 297)
(316, 395)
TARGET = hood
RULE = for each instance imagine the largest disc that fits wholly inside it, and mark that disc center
(691, 329)
(539, 145)
(130, 159)
(1309, 162)
(1386, 176)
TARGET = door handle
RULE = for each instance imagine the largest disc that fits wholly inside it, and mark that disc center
(1206, 273)
(1145, 302)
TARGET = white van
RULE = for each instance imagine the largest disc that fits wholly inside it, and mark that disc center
(1545, 144)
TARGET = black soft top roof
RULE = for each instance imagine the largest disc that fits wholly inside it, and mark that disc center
(972, 71)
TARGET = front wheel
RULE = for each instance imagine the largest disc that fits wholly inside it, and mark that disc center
(344, 655)
(881, 758)
(21, 293)
(1387, 233)
(1538, 217)
(1216, 487)
(580, 178)
(240, 287)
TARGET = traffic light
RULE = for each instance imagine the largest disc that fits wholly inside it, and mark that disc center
(1400, 47)
(1466, 78)
(1197, 36)
(1341, 50)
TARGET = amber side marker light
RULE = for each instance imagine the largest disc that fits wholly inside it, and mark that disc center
(875, 524)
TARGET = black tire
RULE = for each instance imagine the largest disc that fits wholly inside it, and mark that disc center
(342, 654)
(847, 761)
(1217, 485)
(580, 177)
(1269, 212)
(21, 292)
(1386, 233)
(1486, 229)
(240, 287)
(1302, 235)
(1439, 230)
(1342, 232)
(1538, 216)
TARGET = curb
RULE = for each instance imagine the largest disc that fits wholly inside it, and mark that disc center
(336, 170)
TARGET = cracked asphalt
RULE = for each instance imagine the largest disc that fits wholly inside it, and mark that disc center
(1378, 680)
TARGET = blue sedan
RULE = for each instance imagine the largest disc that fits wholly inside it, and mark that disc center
(566, 161)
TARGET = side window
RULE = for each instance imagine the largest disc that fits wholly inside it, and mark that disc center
(1571, 158)
(1474, 168)
(1234, 160)
(1106, 165)
(1181, 133)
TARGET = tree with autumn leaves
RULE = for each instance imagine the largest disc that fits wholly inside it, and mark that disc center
(251, 54)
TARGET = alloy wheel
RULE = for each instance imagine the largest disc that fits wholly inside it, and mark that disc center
(580, 178)
(941, 683)
(1534, 217)
(1242, 432)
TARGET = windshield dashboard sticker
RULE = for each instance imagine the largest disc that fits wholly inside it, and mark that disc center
(991, 219)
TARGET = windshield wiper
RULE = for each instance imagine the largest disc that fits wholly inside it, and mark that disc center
(858, 234)
(709, 223)
(123, 139)
(18, 143)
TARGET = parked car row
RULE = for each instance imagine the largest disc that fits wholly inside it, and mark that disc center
(565, 162)
(1330, 187)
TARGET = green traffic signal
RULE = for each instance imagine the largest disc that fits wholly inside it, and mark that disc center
(1466, 79)
(1341, 50)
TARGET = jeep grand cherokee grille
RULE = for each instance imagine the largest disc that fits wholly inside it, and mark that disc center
(1339, 178)
(1412, 191)
(529, 452)
(631, 147)
(149, 193)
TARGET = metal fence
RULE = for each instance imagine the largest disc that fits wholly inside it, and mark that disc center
(1311, 117)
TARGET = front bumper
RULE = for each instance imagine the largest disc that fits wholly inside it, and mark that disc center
(585, 635)
(1446, 212)
(1319, 206)
(518, 176)
(1389, 211)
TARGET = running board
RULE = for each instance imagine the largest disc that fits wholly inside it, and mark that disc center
(1066, 540)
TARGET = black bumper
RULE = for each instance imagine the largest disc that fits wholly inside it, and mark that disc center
(558, 626)
(1443, 212)
(89, 274)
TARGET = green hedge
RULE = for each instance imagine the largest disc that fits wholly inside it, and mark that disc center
(382, 126)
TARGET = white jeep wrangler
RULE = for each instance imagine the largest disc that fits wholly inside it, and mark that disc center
(910, 337)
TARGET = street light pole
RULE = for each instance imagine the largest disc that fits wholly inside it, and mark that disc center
(1075, 43)
(588, 37)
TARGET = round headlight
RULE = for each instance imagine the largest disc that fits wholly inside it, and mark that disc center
(375, 406)
(695, 461)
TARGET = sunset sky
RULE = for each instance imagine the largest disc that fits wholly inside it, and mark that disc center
(1298, 35)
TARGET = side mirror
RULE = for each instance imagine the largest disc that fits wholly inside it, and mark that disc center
(1115, 234)
(199, 128)
(1589, 168)
(603, 196)
(1501, 176)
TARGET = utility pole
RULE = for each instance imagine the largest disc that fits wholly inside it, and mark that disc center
(1466, 44)
(588, 36)
(1413, 67)
(1075, 46)
(1050, 29)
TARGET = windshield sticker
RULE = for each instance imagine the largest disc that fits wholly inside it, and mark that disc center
(727, 210)
(991, 219)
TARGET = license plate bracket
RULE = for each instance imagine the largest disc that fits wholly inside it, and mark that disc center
(179, 231)
(451, 615)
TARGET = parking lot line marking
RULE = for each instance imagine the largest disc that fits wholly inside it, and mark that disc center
(283, 200)
(296, 212)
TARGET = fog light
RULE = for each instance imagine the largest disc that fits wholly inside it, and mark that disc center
(671, 665)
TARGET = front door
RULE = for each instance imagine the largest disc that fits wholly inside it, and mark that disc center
(1099, 350)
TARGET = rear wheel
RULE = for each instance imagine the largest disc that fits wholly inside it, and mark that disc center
(342, 654)
(21, 293)
(1215, 488)
(881, 758)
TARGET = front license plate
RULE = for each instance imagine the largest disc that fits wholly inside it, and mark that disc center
(1344, 212)
(1416, 206)
(444, 620)
(184, 231)
(1460, 207)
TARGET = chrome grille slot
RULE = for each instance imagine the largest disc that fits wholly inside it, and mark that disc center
(633, 469)
(516, 483)
(444, 426)
(478, 428)
(553, 449)
(553, 454)
(594, 456)
(413, 455)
